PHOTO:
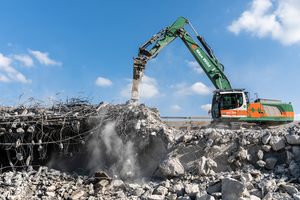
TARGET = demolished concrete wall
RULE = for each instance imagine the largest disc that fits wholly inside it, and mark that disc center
(146, 159)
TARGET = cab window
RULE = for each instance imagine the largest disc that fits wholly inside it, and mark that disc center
(231, 101)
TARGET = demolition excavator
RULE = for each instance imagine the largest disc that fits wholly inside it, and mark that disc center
(228, 104)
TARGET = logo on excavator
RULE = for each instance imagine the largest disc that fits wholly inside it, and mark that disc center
(199, 53)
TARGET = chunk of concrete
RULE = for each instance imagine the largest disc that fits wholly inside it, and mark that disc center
(275, 195)
(155, 197)
(261, 163)
(202, 167)
(266, 138)
(205, 197)
(214, 188)
(246, 178)
(171, 166)
(293, 139)
(277, 143)
(191, 190)
(270, 163)
(294, 169)
(232, 189)
(296, 196)
(161, 190)
(266, 148)
(260, 154)
(289, 189)
(214, 135)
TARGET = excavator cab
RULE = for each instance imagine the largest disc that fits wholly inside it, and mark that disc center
(229, 103)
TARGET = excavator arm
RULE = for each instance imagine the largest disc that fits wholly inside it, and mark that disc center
(206, 59)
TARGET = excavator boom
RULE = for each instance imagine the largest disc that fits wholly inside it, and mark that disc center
(209, 63)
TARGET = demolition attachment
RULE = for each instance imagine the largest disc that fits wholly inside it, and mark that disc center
(139, 65)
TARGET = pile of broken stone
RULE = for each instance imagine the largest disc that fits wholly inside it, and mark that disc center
(200, 164)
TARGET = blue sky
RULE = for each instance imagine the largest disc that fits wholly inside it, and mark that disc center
(86, 48)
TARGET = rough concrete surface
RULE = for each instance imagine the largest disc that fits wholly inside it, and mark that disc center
(131, 154)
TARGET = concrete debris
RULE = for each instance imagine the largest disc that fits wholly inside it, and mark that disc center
(232, 189)
(132, 154)
(171, 166)
(270, 163)
(277, 143)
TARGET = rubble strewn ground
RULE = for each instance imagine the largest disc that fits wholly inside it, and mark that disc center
(127, 152)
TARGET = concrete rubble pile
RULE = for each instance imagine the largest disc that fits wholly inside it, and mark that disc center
(166, 163)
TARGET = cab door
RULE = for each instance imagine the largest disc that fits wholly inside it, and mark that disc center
(233, 105)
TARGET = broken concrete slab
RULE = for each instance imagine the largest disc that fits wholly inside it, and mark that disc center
(171, 166)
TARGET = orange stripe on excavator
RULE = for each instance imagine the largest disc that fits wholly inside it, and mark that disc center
(234, 112)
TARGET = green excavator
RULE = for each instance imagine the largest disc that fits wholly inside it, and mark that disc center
(228, 104)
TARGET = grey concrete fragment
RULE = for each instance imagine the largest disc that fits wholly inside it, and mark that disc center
(171, 166)
(296, 151)
(246, 178)
(214, 188)
(172, 196)
(289, 189)
(138, 192)
(296, 196)
(155, 197)
(293, 139)
(161, 190)
(261, 163)
(232, 189)
(77, 194)
(50, 194)
(270, 163)
(202, 167)
(253, 197)
(20, 130)
(215, 149)
(243, 154)
(214, 135)
(266, 148)
(118, 184)
(211, 163)
(191, 190)
(266, 138)
(260, 154)
(178, 189)
(51, 188)
(256, 192)
(185, 197)
(209, 142)
(275, 195)
(205, 197)
(277, 143)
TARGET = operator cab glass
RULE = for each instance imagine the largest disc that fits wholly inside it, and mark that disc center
(231, 101)
(227, 100)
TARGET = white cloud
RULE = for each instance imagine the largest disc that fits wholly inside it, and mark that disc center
(175, 107)
(43, 58)
(195, 65)
(103, 82)
(9, 44)
(148, 88)
(198, 88)
(25, 59)
(11, 75)
(206, 107)
(297, 117)
(179, 85)
(279, 19)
